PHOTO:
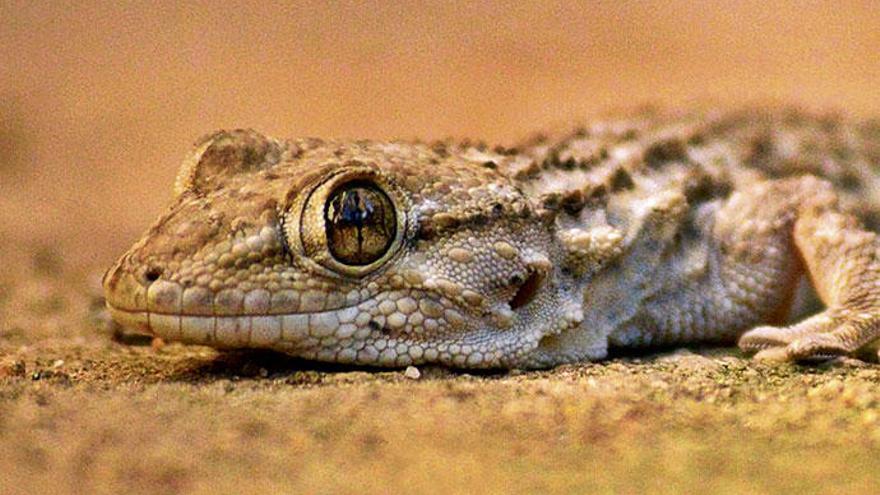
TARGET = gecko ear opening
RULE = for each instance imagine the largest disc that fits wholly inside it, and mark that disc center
(223, 154)
(527, 290)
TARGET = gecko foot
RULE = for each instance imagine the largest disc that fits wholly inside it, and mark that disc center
(824, 336)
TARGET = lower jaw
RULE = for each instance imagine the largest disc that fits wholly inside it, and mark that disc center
(285, 333)
(295, 335)
(281, 332)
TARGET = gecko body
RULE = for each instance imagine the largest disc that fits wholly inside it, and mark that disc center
(650, 229)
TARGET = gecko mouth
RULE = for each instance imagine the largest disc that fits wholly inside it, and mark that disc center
(266, 331)
(326, 336)
(375, 318)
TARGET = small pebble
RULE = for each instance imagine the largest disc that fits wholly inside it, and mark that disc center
(412, 373)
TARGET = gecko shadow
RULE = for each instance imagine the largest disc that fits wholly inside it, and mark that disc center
(257, 364)
(271, 366)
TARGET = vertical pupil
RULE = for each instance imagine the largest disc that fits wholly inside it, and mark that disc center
(360, 223)
(355, 209)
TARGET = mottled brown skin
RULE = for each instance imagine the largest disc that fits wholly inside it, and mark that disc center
(649, 229)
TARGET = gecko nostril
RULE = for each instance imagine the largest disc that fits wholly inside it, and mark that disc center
(527, 290)
(151, 274)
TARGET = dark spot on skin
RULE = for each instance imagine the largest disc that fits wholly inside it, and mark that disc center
(314, 143)
(546, 216)
(842, 152)
(573, 202)
(551, 201)
(247, 196)
(621, 180)
(696, 139)
(439, 149)
(532, 170)
(377, 327)
(497, 209)
(490, 165)
(870, 129)
(580, 132)
(479, 219)
(566, 164)
(830, 123)
(501, 150)
(446, 222)
(629, 135)
(689, 231)
(478, 145)
(665, 151)
(870, 219)
(701, 187)
(253, 156)
(425, 230)
(793, 117)
(850, 181)
(295, 151)
(723, 189)
(698, 190)
(537, 139)
(596, 195)
(760, 150)
(555, 159)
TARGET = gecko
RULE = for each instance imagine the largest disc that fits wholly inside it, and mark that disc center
(654, 228)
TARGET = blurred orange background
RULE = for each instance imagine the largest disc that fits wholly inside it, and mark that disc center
(99, 101)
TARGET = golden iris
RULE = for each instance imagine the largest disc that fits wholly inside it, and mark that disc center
(360, 223)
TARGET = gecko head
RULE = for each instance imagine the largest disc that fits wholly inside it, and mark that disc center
(360, 252)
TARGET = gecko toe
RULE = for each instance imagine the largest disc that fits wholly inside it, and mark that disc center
(764, 338)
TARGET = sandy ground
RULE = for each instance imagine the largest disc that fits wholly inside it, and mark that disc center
(99, 101)
(85, 409)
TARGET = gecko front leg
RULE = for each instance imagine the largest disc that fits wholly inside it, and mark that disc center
(840, 258)
(759, 245)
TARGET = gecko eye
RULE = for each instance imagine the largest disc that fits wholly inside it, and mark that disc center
(360, 223)
(352, 223)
